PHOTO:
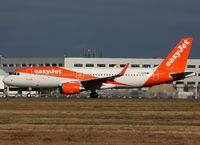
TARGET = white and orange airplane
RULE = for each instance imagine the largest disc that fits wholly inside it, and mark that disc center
(76, 80)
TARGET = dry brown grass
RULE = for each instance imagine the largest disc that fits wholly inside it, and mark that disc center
(99, 122)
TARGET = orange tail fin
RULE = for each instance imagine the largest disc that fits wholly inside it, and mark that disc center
(177, 59)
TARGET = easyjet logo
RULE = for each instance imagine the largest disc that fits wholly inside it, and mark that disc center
(177, 54)
(52, 71)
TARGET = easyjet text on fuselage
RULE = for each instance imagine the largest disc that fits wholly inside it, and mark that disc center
(51, 71)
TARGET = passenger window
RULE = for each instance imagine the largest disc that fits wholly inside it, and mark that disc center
(101, 65)
(78, 65)
(89, 65)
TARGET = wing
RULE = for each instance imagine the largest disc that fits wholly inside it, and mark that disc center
(93, 84)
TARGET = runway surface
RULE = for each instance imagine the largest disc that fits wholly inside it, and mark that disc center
(99, 122)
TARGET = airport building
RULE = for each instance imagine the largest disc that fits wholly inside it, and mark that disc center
(193, 83)
(11, 64)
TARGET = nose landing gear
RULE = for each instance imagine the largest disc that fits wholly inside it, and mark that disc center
(94, 95)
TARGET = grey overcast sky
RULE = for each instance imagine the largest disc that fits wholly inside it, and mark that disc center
(122, 28)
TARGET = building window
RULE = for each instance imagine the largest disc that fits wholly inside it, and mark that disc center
(34, 65)
(23, 65)
(112, 65)
(5, 65)
(178, 83)
(146, 65)
(135, 65)
(78, 65)
(41, 65)
(89, 65)
(101, 65)
(191, 83)
(122, 65)
(155, 65)
(54, 65)
(191, 66)
(13, 89)
(17, 65)
(11, 65)
(47, 64)
(60, 65)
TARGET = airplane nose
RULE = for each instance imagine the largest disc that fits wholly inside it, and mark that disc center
(7, 80)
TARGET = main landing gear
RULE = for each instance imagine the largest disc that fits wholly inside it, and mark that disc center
(94, 95)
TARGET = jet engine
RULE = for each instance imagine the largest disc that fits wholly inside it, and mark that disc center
(70, 88)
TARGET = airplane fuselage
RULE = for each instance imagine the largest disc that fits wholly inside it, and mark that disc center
(54, 77)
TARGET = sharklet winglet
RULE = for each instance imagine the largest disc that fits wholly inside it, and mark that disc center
(124, 70)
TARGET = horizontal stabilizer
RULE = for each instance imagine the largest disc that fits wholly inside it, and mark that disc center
(182, 75)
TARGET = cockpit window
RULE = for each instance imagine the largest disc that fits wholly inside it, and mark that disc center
(11, 73)
(14, 73)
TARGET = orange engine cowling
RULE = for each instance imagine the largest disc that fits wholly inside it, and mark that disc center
(70, 88)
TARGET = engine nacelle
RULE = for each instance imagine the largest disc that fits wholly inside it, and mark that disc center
(70, 88)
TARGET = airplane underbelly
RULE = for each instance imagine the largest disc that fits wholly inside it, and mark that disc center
(47, 82)
(37, 81)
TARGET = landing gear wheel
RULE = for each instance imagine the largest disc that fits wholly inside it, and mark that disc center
(94, 95)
